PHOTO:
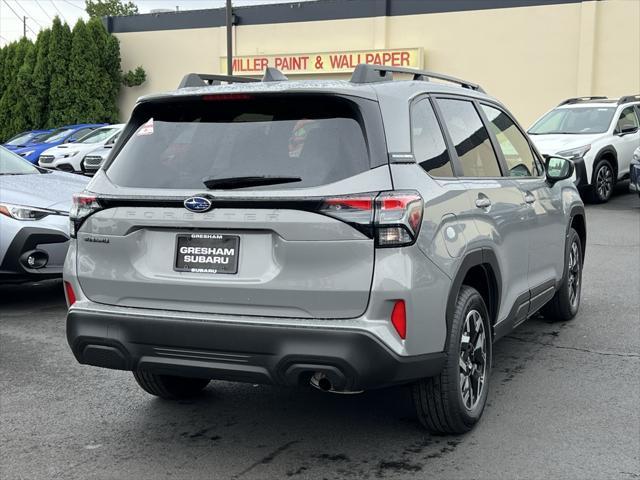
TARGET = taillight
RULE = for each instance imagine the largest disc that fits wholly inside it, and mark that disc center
(398, 218)
(399, 318)
(392, 218)
(69, 293)
(84, 204)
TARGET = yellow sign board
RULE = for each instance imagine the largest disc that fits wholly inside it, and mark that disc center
(330, 62)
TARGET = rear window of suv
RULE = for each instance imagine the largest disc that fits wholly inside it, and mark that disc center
(181, 143)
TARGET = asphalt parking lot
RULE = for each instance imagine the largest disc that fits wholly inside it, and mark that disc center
(563, 401)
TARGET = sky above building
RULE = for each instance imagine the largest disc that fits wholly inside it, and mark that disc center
(40, 13)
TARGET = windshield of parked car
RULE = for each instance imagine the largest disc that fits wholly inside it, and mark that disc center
(97, 136)
(21, 139)
(181, 144)
(12, 164)
(58, 135)
(578, 120)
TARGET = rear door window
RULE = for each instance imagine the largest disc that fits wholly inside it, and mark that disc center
(182, 143)
(513, 144)
(429, 146)
(470, 138)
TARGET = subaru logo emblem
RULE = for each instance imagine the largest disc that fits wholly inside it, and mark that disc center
(197, 204)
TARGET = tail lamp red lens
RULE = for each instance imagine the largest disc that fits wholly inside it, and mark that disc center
(69, 293)
(399, 318)
(84, 204)
(395, 217)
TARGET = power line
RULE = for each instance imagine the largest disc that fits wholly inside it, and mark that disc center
(29, 16)
(58, 10)
(43, 10)
(20, 17)
(73, 4)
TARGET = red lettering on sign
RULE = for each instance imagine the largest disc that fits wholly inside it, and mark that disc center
(404, 59)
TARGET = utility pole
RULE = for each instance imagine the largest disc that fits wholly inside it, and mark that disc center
(229, 38)
(24, 27)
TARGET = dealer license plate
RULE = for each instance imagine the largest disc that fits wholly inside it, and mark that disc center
(207, 253)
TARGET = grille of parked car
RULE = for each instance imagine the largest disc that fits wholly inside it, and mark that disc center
(92, 161)
(46, 158)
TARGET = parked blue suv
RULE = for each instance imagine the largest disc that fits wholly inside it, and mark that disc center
(66, 134)
(24, 139)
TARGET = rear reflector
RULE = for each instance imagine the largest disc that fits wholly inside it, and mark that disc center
(69, 293)
(399, 318)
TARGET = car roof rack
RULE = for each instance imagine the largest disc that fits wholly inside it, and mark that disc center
(367, 73)
(629, 98)
(570, 101)
(204, 79)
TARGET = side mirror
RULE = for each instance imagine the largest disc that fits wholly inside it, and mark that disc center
(558, 168)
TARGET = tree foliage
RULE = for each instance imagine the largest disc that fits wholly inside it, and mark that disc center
(109, 8)
(64, 77)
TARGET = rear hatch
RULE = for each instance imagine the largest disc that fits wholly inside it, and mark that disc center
(238, 204)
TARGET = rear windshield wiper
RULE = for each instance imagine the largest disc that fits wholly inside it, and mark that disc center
(241, 182)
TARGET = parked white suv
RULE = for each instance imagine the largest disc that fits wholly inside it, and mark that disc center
(598, 134)
(67, 156)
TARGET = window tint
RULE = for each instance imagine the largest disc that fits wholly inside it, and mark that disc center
(627, 119)
(470, 138)
(428, 143)
(180, 144)
(515, 148)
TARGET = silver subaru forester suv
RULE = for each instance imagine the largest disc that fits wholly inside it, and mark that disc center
(347, 234)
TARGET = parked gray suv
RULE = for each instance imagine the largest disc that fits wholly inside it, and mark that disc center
(348, 234)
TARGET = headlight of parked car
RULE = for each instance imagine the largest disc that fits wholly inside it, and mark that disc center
(575, 153)
(27, 153)
(20, 212)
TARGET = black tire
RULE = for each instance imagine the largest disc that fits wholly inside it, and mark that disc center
(603, 182)
(440, 404)
(169, 386)
(566, 302)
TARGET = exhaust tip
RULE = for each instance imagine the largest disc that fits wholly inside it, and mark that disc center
(322, 382)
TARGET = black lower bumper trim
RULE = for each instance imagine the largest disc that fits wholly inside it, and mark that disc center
(353, 360)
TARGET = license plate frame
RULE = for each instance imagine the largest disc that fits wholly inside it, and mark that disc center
(211, 262)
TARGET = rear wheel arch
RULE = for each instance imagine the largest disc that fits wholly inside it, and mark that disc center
(479, 270)
(579, 224)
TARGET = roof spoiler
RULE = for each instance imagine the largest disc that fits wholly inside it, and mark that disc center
(204, 79)
(569, 101)
(366, 73)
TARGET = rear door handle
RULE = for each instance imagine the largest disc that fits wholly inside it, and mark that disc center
(529, 197)
(483, 202)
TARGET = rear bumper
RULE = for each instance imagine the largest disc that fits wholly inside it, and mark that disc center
(255, 353)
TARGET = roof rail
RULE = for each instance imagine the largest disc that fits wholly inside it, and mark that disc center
(569, 101)
(366, 73)
(204, 79)
(629, 98)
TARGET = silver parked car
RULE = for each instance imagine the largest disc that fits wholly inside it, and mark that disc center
(93, 160)
(34, 222)
(348, 234)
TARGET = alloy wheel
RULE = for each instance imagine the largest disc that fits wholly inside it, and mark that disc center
(574, 274)
(473, 359)
(604, 182)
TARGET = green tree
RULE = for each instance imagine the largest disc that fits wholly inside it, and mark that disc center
(109, 8)
(10, 116)
(108, 61)
(60, 92)
(85, 77)
(21, 119)
(39, 103)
